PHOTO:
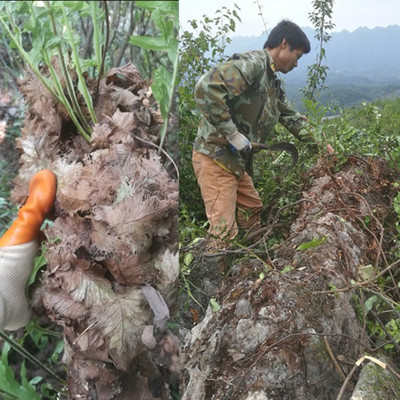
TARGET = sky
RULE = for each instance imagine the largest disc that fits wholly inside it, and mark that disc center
(347, 14)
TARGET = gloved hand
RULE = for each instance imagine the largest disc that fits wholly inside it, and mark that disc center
(18, 247)
(238, 142)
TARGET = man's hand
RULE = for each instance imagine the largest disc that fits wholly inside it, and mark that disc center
(238, 142)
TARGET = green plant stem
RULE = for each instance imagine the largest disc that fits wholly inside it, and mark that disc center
(188, 285)
(105, 46)
(62, 98)
(106, 40)
(59, 93)
(82, 83)
(170, 100)
(68, 81)
(96, 34)
(252, 253)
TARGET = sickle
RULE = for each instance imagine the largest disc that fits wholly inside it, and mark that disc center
(288, 147)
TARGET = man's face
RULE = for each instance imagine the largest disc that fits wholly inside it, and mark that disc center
(287, 59)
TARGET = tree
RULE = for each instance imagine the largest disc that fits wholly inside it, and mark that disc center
(321, 18)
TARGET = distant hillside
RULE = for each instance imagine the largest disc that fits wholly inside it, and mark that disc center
(364, 65)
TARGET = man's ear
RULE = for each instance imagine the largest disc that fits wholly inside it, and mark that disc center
(284, 43)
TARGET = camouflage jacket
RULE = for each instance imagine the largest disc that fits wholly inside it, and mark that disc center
(242, 94)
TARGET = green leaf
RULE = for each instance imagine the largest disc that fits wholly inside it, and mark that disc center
(34, 56)
(214, 305)
(57, 351)
(188, 259)
(366, 271)
(27, 389)
(20, 7)
(36, 380)
(161, 89)
(40, 261)
(311, 244)
(369, 304)
(163, 22)
(166, 6)
(173, 49)
(76, 5)
(8, 382)
(287, 269)
(149, 43)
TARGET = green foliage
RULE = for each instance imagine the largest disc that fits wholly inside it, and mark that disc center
(279, 185)
(214, 305)
(191, 230)
(381, 316)
(40, 262)
(311, 244)
(64, 42)
(369, 129)
(165, 15)
(33, 29)
(369, 303)
(10, 388)
(36, 387)
(28, 387)
(287, 269)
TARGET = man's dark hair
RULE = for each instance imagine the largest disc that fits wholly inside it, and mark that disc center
(288, 30)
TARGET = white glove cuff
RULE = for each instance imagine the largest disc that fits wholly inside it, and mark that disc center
(16, 263)
(238, 140)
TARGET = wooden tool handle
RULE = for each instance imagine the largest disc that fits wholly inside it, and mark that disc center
(220, 141)
(281, 146)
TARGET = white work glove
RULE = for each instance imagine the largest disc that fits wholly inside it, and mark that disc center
(238, 142)
(16, 264)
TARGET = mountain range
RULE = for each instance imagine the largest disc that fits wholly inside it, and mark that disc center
(364, 65)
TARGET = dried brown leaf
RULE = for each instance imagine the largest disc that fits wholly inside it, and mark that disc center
(167, 264)
(63, 305)
(125, 77)
(157, 305)
(122, 322)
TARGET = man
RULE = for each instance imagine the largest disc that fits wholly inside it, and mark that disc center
(241, 101)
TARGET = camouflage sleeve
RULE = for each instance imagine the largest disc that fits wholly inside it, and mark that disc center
(293, 121)
(221, 84)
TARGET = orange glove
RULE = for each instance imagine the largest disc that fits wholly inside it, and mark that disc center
(18, 248)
